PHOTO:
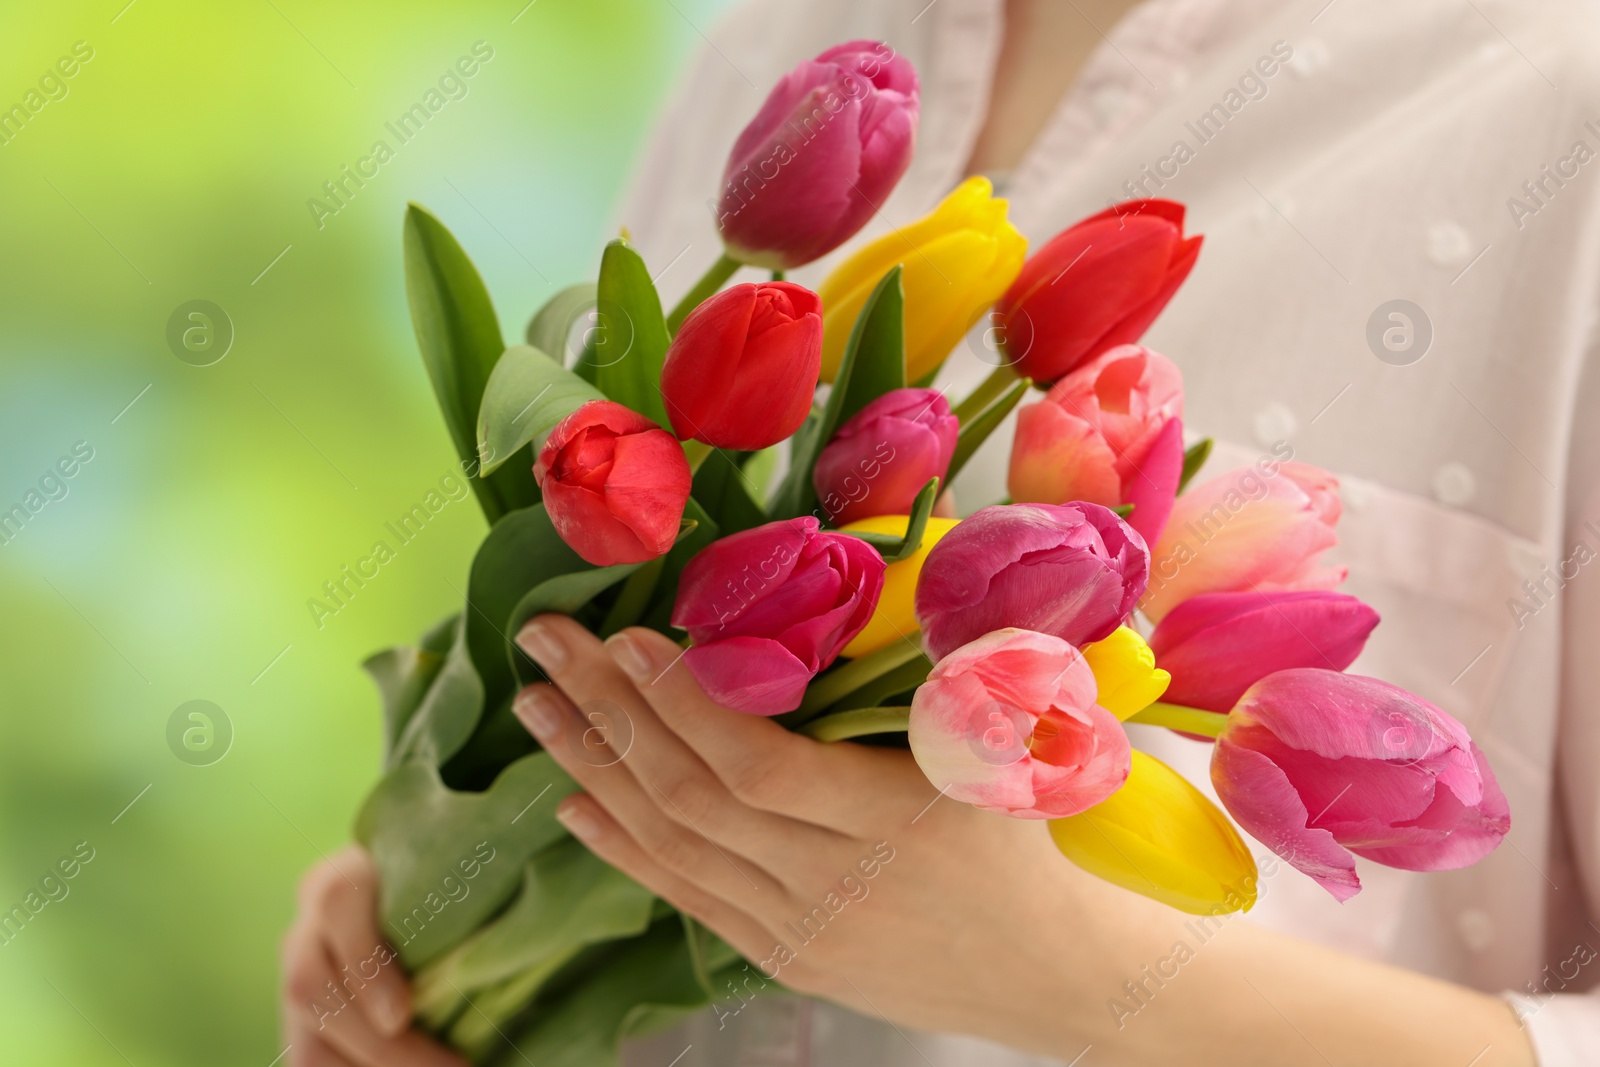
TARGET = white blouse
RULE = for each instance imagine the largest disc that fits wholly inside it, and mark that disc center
(1433, 151)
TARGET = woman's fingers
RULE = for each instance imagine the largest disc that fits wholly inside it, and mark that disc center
(342, 893)
(605, 837)
(674, 844)
(672, 775)
(763, 764)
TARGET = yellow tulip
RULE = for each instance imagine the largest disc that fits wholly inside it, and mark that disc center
(956, 261)
(895, 617)
(1159, 836)
(1126, 672)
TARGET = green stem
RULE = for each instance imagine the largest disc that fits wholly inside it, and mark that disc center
(857, 673)
(987, 392)
(696, 453)
(843, 725)
(1178, 717)
(709, 283)
(777, 275)
(635, 596)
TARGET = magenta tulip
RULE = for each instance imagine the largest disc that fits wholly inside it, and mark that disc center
(1074, 571)
(1257, 529)
(821, 156)
(768, 608)
(1109, 433)
(1098, 284)
(614, 484)
(741, 371)
(1217, 645)
(1009, 723)
(883, 456)
(1317, 765)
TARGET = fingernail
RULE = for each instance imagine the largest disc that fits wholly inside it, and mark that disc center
(580, 822)
(392, 1014)
(540, 642)
(628, 655)
(538, 712)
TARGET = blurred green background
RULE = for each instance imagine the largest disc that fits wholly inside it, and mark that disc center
(177, 567)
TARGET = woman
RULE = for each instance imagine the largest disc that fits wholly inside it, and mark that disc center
(1340, 157)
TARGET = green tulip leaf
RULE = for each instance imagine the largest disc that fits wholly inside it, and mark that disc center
(704, 531)
(528, 393)
(403, 676)
(977, 431)
(447, 713)
(631, 333)
(723, 488)
(1194, 457)
(447, 861)
(564, 594)
(459, 337)
(873, 363)
(551, 326)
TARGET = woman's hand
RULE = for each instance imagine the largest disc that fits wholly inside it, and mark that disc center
(838, 871)
(345, 1000)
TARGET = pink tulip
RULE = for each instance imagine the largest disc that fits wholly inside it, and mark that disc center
(1074, 571)
(1108, 433)
(1317, 765)
(882, 457)
(769, 607)
(1258, 529)
(1217, 645)
(614, 484)
(1009, 724)
(821, 157)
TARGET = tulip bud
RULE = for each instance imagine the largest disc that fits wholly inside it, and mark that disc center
(954, 263)
(1317, 765)
(1217, 645)
(1097, 284)
(614, 484)
(1073, 570)
(1107, 433)
(767, 608)
(1008, 723)
(881, 458)
(1159, 836)
(741, 371)
(1125, 673)
(896, 617)
(1257, 529)
(827, 148)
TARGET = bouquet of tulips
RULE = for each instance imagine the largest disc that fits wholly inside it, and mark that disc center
(639, 483)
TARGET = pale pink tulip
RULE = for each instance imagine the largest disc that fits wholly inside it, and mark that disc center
(1109, 433)
(1317, 765)
(1255, 529)
(1009, 723)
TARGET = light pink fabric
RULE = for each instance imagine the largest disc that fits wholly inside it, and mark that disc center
(1382, 161)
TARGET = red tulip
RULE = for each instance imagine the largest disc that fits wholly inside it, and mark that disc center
(768, 608)
(1097, 284)
(826, 149)
(882, 457)
(614, 484)
(742, 369)
(1316, 765)
(1107, 433)
(1217, 645)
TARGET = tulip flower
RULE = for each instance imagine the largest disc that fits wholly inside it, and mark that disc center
(827, 147)
(1108, 433)
(1217, 645)
(1073, 570)
(896, 617)
(1317, 765)
(1159, 836)
(955, 262)
(767, 608)
(1097, 284)
(881, 458)
(1009, 723)
(741, 371)
(1125, 673)
(1258, 529)
(614, 484)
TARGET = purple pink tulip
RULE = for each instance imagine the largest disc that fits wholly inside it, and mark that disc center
(883, 456)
